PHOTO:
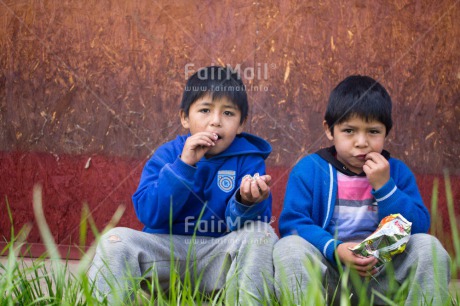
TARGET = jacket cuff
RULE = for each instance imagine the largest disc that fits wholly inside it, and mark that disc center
(329, 250)
(240, 208)
(385, 192)
(182, 169)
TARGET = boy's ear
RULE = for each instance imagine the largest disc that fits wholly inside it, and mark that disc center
(184, 119)
(327, 131)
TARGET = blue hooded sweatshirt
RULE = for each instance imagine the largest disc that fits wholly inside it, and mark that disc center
(174, 197)
(311, 195)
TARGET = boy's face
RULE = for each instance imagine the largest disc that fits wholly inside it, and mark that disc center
(354, 139)
(221, 117)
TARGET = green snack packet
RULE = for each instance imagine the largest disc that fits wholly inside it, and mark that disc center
(389, 239)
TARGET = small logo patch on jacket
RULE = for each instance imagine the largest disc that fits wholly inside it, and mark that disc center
(226, 180)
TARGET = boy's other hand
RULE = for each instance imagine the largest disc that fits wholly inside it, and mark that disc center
(377, 169)
(255, 191)
(196, 147)
(365, 266)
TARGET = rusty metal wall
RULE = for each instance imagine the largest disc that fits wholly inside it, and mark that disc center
(104, 78)
(107, 76)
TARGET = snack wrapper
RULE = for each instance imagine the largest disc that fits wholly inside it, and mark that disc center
(389, 239)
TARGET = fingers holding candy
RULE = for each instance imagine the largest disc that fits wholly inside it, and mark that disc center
(255, 189)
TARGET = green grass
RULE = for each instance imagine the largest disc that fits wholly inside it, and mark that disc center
(48, 280)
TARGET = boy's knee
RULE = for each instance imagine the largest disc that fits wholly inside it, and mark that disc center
(283, 244)
(113, 240)
(428, 248)
(293, 246)
(423, 242)
(259, 229)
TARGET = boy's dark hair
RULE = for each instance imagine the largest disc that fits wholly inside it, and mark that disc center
(360, 96)
(219, 82)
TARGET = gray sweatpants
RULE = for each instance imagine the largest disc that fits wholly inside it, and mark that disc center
(241, 261)
(425, 260)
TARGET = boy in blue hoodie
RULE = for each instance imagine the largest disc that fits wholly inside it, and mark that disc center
(210, 183)
(336, 197)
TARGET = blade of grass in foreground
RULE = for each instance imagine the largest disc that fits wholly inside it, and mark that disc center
(436, 223)
(86, 286)
(453, 223)
(9, 273)
(57, 268)
(87, 257)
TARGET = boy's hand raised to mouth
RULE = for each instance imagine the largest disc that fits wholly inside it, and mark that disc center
(377, 169)
(196, 147)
